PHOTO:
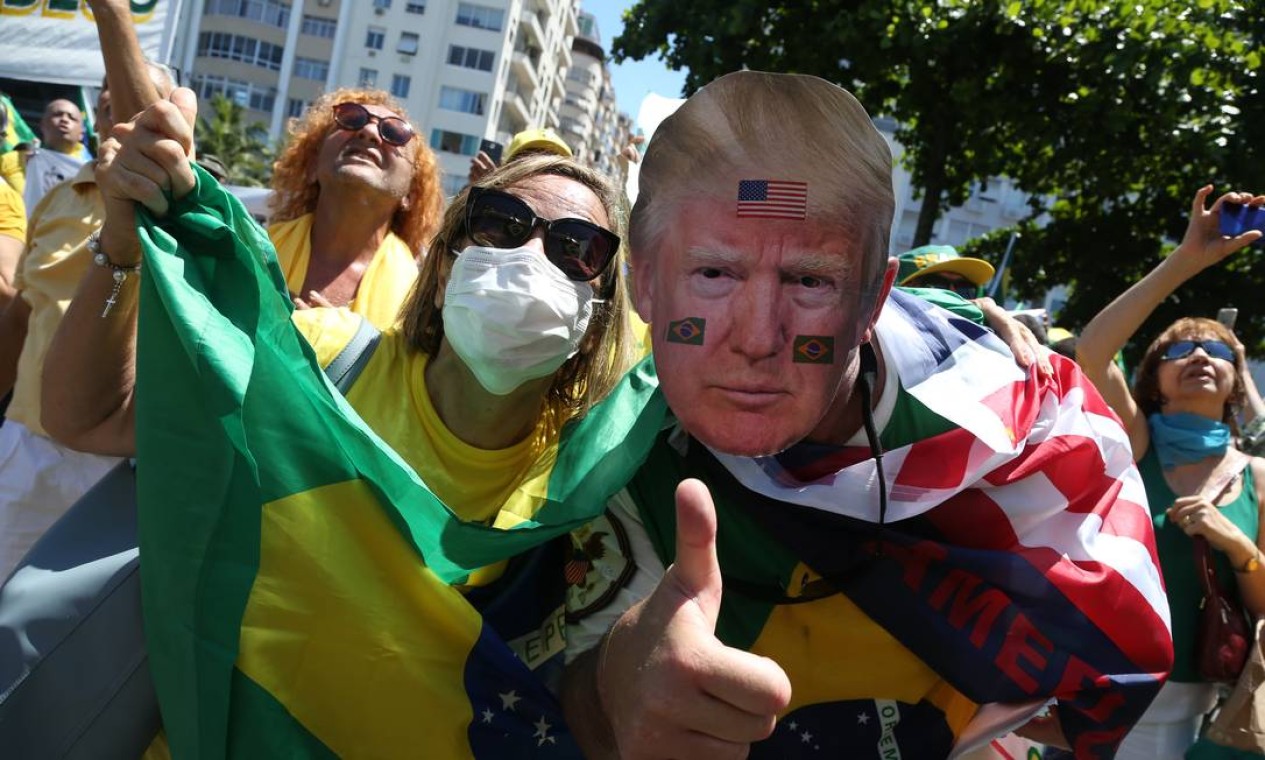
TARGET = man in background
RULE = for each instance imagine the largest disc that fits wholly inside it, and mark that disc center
(39, 478)
(61, 152)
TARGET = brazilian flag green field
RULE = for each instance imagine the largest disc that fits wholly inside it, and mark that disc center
(295, 570)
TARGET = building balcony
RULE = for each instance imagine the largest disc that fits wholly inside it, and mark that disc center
(517, 107)
(525, 71)
(565, 59)
(530, 21)
(573, 126)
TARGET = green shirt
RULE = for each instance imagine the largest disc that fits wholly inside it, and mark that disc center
(1177, 559)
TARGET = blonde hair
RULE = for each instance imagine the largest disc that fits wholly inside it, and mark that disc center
(295, 189)
(607, 350)
(756, 125)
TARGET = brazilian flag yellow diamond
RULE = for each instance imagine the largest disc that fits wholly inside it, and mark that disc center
(688, 331)
(814, 349)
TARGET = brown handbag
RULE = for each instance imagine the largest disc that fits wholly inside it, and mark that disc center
(1223, 637)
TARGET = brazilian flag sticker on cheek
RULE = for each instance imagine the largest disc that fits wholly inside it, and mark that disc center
(814, 349)
(688, 331)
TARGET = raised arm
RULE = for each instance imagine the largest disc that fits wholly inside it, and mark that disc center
(1202, 246)
(89, 373)
(131, 90)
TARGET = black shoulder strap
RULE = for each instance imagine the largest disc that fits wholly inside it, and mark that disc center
(351, 361)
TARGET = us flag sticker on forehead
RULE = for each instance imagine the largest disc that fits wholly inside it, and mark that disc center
(772, 199)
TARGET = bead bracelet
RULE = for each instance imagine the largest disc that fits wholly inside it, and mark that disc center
(119, 271)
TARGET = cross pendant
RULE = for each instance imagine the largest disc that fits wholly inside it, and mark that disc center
(113, 299)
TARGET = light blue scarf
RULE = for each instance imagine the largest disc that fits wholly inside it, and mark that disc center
(1183, 438)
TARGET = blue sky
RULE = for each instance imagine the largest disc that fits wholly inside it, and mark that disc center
(632, 79)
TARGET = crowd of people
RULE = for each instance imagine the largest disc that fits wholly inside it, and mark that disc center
(740, 482)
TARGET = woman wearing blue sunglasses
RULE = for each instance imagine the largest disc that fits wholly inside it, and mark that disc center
(1187, 389)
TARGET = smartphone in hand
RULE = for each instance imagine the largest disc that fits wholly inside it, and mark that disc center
(1227, 316)
(493, 149)
(1237, 218)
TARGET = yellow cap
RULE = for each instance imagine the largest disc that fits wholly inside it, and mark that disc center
(537, 139)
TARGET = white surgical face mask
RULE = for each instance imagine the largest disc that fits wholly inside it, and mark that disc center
(512, 316)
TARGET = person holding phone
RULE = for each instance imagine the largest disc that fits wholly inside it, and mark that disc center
(525, 143)
(1187, 389)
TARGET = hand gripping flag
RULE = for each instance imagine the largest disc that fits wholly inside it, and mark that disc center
(296, 572)
(1017, 559)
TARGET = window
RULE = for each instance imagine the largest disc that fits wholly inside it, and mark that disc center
(382, 5)
(415, 7)
(480, 16)
(375, 38)
(408, 43)
(268, 12)
(310, 68)
(367, 78)
(454, 142)
(295, 108)
(243, 93)
(236, 47)
(466, 101)
(319, 27)
(400, 85)
(470, 58)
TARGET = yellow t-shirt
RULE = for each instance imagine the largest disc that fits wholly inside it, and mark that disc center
(383, 288)
(391, 397)
(12, 170)
(12, 212)
(48, 275)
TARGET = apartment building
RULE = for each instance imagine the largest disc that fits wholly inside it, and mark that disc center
(465, 71)
(271, 57)
(590, 121)
(992, 205)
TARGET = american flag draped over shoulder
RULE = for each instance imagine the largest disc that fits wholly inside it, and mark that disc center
(1018, 560)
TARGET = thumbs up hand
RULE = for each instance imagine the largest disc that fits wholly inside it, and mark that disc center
(668, 686)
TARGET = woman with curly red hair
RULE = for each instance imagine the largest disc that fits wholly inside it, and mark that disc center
(356, 195)
(1185, 394)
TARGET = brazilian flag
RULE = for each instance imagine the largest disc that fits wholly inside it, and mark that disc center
(296, 571)
(16, 130)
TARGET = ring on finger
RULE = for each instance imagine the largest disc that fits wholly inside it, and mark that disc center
(1188, 519)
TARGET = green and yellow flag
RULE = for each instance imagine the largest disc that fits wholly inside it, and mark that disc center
(296, 570)
(16, 130)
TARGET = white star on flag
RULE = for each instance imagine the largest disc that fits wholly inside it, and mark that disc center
(794, 726)
(487, 715)
(806, 737)
(542, 732)
(863, 719)
(509, 700)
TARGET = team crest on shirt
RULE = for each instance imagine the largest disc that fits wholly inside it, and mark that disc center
(598, 565)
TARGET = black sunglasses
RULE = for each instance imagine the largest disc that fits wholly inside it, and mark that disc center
(497, 219)
(964, 288)
(353, 117)
(1214, 348)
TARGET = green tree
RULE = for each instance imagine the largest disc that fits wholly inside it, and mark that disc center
(242, 148)
(1117, 109)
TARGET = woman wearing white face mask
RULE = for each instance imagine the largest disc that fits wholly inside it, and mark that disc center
(518, 323)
